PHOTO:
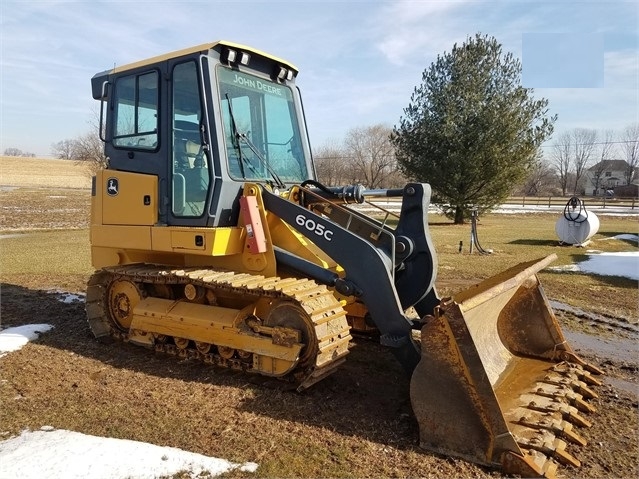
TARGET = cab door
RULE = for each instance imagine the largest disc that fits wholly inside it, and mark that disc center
(190, 169)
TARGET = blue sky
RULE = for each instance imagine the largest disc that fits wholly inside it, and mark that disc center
(359, 61)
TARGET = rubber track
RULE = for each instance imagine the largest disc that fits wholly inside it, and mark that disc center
(328, 316)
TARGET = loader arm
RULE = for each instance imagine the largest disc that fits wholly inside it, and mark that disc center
(388, 276)
(417, 269)
(409, 245)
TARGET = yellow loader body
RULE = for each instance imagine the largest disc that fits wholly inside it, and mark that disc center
(213, 240)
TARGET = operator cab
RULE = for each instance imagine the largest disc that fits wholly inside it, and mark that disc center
(204, 121)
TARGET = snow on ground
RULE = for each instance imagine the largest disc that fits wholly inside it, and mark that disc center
(612, 264)
(624, 264)
(60, 454)
(628, 237)
(12, 339)
(395, 207)
(558, 209)
(68, 298)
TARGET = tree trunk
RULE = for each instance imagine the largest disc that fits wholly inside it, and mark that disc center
(459, 215)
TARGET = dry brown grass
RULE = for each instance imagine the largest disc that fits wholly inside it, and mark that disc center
(518, 238)
(43, 173)
(356, 423)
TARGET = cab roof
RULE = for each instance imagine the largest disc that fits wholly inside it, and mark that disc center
(203, 48)
(100, 78)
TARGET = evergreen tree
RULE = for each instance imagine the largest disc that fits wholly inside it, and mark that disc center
(471, 130)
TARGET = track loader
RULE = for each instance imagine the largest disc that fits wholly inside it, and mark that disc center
(213, 240)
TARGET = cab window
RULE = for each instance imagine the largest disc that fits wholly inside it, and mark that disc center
(261, 128)
(136, 112)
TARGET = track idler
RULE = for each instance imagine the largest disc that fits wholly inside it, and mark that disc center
(497, 383)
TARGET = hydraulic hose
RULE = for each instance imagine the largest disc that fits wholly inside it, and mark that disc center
(571, 206)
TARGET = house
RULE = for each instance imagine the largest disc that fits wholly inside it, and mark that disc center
(605, 176)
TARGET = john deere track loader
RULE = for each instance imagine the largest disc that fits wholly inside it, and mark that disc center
(212, 240)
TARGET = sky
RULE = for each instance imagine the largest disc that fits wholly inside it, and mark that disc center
(359, 60)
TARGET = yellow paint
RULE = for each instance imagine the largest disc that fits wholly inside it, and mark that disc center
(134, 202)
(203, 48)
(125, 237)
(212, 325)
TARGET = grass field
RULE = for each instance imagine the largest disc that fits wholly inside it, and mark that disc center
(518, 238)
(41, 172)
(356, 423)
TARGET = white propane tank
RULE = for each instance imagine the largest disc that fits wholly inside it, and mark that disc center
(576, 225)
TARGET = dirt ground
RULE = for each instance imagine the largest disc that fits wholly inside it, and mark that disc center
(356, 423)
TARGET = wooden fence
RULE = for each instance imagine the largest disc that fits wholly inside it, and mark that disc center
(589, 201)
(539, 202)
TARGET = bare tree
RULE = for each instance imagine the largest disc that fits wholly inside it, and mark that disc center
(630, 148)
(372, 154)
(561, 160)
(12, 152)
(331, 164)
(63, 149)
(584, 141)
(539, 179)
(605, 153)
(89, 149)
(17, 152)
(395, 179)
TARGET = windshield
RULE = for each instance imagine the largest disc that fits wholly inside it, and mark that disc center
(260, 128)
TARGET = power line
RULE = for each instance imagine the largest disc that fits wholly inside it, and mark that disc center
(593, 143)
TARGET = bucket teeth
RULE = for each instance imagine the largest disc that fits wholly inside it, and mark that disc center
(577, 372)
(548, 416)
(586, 377)
(568, 413)
(558, 427)
(577, 386)
(566, 395)
(549, 445)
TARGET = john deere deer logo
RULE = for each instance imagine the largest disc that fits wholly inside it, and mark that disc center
(112, 186)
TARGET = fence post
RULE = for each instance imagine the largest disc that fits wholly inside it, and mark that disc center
(549, 200)
(523, 201)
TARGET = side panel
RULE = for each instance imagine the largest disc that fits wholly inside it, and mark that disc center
(205, 242)
(127, 198)
(121, 237)
(210, 242)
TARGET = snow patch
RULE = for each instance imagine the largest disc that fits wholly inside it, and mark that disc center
(522, 209)
(57, 454)
(69, 298)
(625, 264)
(12, 236)
(12, 339)
(629, 237)
(567, 268)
